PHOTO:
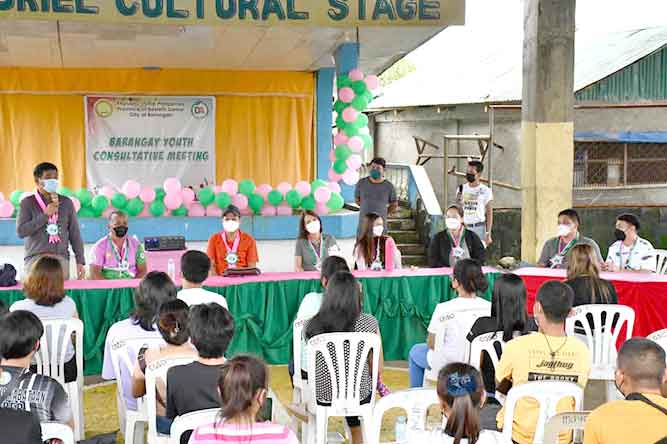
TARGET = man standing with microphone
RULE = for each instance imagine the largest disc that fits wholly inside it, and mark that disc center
(48, 223)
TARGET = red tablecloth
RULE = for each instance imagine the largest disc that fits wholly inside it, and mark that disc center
(645, 293)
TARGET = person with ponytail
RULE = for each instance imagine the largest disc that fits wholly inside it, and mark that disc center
(468, 281)
(243, 385)
(375, 250)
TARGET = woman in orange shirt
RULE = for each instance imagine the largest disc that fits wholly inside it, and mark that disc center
(232, 248)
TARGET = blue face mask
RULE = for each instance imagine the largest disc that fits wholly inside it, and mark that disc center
(50, 185)
(375, 174)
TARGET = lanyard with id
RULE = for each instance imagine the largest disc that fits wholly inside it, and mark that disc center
(232, 256)
(620, 256)
(123, 262)
(557, 260)
(457, 245)
(318, 256)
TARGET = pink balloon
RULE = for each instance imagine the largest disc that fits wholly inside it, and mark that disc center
(284, 187)
(334, 187)
(240, 201)
(106, 213)
(131, 189)
(146, 212)
(76, 203)
(322, 194)
(246, 211)
(346, 94)
(284, 209)
(354, 161)
(303, 188)
(372, 82)
(321, 209)
(108, 191)
(6, 209)
(147, 195)
(217, 189)
(172, 186)
(197, 210)
(173, 200)
(2, 196)
(230, 187)
(332, 156)
(334, 176)
(350, 114)
(264, 190)
(356, 75)
(340, 138)
(188, 196)
(213, 211)
(351, 177)
(268, 210)
(356, 144)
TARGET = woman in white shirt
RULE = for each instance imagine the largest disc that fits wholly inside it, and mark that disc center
(375, 250)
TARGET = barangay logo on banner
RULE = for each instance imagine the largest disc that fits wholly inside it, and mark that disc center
(150, 137)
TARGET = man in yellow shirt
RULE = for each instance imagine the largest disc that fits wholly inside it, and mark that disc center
(548, 355)
(642, 417)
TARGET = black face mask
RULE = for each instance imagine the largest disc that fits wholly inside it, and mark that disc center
(470, 177)
(120, 231)
(619, 234)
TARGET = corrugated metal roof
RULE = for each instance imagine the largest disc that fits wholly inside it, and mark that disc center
(464, 66)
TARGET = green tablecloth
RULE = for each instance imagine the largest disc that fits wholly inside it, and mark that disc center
(264, 312)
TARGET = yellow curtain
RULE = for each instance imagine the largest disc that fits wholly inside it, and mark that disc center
(264, 120)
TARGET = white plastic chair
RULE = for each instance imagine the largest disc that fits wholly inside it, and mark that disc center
(660, 337)
(548, 394)
(351, 351)
(191, 421)
(601, 340)
(461, 316)
(123, 358)
(56, 430)
(414, 401)
(562, 422)
(50, 360)
(155, 370)
(300, 385)
(661, 261)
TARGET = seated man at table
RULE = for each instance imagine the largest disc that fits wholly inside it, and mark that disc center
(232, 248)
(118, 255)
(195, 268)
(554, 252)
(630, 252)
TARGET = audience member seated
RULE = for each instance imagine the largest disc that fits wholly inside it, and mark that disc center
(45, 296)
(642, 416)
(554, 252)
(548, 355)
(630, 252)
(468, 281)
(192, 387)
(20, 388)
(155, 289)
(195, 268)
(312, 245)
(19, 427)
(243, 387)
(461, 394)
(341, 312)
(374, 250)
(118, 255)
(454, 243)
(232, 248)
(173, 325)
(509, 316)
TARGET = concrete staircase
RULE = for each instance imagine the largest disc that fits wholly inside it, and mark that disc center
(402, 229)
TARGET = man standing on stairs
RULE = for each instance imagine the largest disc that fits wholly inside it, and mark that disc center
(476, 200)
(375, 194)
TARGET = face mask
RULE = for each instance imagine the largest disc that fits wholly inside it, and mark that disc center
(375, 174)
(564, 230)
(50, 185)
(470, 177)
(619, 234)
(452, 223)
(313, 227)
(378, 230)
(120, 231)
(230, 226)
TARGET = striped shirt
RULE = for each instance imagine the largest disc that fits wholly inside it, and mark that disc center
(257, 433)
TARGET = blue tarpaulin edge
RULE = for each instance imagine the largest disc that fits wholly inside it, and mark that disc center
(622, 136)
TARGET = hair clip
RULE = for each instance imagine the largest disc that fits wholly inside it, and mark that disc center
(460, 385)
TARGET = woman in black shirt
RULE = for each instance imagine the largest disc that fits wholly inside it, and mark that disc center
(583, 276)
(455, 243)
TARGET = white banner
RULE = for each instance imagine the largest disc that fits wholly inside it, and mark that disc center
(148, 139)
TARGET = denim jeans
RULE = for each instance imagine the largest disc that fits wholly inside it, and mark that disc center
(417, 364)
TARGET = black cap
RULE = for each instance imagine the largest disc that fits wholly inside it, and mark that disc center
(232, 209)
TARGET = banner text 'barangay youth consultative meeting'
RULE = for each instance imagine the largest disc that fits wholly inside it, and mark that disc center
(212, 12)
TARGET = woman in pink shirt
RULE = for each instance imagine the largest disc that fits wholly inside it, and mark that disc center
(243, 387)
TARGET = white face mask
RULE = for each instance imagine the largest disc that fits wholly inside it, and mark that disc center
(452, 223)
(378, 230)
(313, 227)
(230, 226)
(564, 230)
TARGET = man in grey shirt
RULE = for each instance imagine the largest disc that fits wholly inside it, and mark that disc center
(375, 194)
(48, 223)
(554, 251)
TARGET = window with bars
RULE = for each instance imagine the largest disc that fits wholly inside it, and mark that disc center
(614, 164)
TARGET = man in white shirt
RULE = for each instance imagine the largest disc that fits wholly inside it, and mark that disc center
(476, 200)
(195, 268)
(630, 252)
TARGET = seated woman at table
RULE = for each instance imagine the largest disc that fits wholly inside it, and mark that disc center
(45, 297)
(374, 250)
(554, 251)
(312, 245)
(232, 248)
(154, 290)
(118, 255)
(455, 242)
(630, 252)
(341, 312)
(173, 325)
(468, 281)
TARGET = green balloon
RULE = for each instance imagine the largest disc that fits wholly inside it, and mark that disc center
(160, 193)
(339, 106)
(256, 202)
(361, 121)
(293, 198)
(360, 103)
(368, 141)
(100, 203)
(134, 207)
(87, 212)
(223, 200)
(340, 123)
(343, 81)
(65, 192)
(368, 96)
(247, 187)
(84, 196)
(343, 152)
(15, 197)
(308, 203)
(206, 196)
(119, 201)
(340, 166)
(359, 87)
(157, 208)
(351, 131)
(317, 183)
(275, 198)
(335, 202)
(180, 211)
